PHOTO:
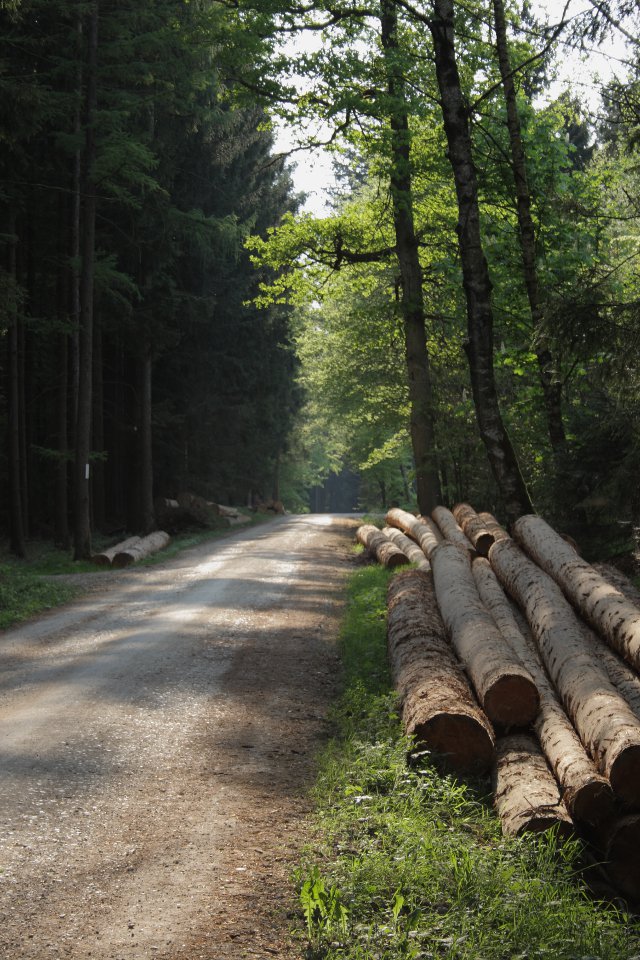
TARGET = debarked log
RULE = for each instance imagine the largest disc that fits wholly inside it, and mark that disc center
(474, 528)
(450, 528)
(380, 546)
(492, 525)
(602, 605)
(503, 686)
(438, 707)
(423, 531)
(409, 547)
(105, 558)
(603, 720)
(145, 547)
(527, 798)
(586, 793)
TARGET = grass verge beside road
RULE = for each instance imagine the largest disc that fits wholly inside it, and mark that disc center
(411, 863)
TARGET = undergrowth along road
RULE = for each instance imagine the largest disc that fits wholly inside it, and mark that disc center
(409, 862)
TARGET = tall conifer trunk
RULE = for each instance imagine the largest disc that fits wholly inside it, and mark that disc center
(412, 302)
(551, 385)
(475, 271)
(145, 440)
(82, 512)
(16, 524)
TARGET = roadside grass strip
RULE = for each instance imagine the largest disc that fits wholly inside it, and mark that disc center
(410, 863)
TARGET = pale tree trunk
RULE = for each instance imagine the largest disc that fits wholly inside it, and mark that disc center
(451, 530)
(587, 793)
(551, 385)
(382, 548)
(411, 550)
(602, 604)
(475, 272)
(527, 797)
(424, 531)
(474, 528)
(82, 511)
(422, 420)
(438, 707)
(603, 720)
(504, 688)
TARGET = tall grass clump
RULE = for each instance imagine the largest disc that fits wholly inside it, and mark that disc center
(411, 863)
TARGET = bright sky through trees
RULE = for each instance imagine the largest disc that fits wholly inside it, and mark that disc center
(582, 72)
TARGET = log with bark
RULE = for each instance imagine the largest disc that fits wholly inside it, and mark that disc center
(383, 549)
(105, 559)
(450, 529)
(527, 797)
(603, 720)
(411, 550)
(618, 580)
(423, 531)
(438, 707)
(600, 603)
(145, 547)
(504, 687)
(586, 793)
(474, 528)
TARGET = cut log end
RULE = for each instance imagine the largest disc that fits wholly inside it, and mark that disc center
(624, 776)
(592, 803)
(512, 701)
(463, 744)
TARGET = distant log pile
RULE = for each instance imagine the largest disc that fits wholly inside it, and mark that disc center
(522, 651)
(190, 510)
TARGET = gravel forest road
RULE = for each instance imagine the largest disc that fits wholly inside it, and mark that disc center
(157, 740)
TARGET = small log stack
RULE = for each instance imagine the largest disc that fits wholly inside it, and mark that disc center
(145, 547)
(534, 606)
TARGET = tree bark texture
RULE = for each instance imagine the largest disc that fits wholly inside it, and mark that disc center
(145, 547)
(475, 272)
(618, 580)
(16, 524)
(586, 793)
(600, 603)
(504, 688)
(411, 550)
(145, 441)
(527, 797)
(438, 707)
(473, 528)
(423, 531)
(383, 549)
(550, 382)
(422, 419)
(604, 721)
(450, 529)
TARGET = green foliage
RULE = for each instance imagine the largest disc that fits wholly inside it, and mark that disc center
(416, 858)
(23, 594)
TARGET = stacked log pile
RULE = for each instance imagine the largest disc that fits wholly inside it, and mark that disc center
(521, 638)
(132, 549)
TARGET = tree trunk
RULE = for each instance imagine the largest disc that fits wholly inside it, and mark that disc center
(475, 272)
(527, 797)
(551, 385)
(82, 509)
(618, 580)
(422, 421)
(604, 721)
(587, 794)
(492, 525)
(145, 547)
(600, 603)
(145, 442)
(411, 550)
(450, 530)
(98, 470)
(380, 546)
(16, 526)
(424, 531)
(474, 528)
(438, 708)
(504, 688)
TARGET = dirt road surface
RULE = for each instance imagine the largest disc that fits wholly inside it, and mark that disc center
(157, 739)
